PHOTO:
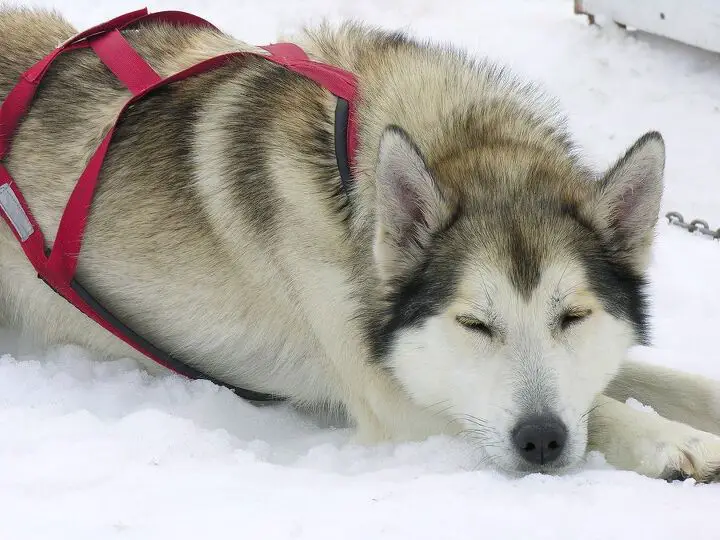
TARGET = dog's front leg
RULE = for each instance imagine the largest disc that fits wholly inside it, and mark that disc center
(651, 445)
(684, 397)
(384, 412)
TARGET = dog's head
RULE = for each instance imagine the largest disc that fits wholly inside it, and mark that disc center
(513, 287)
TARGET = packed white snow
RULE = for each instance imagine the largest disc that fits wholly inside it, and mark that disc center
(95, 451)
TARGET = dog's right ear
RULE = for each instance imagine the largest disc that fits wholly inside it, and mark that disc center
(628, 200)
(410, 205)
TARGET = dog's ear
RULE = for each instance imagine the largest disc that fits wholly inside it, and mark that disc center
(410, 204)
(628, 200)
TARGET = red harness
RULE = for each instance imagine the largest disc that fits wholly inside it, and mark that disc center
(57, 266)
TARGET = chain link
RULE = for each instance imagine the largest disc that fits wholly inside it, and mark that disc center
(699, 225)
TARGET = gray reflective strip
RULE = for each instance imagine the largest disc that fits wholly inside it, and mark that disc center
(15, 213)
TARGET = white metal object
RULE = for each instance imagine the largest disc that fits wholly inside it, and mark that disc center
(695, 22)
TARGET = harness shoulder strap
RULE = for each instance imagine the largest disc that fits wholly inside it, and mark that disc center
(124, 61)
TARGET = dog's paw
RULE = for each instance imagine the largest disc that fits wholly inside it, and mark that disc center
(372, 433)
(651, 445)
(369, 435)
(392, 417)
(689, 455)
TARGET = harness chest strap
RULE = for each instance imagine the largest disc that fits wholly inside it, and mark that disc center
(57, 266)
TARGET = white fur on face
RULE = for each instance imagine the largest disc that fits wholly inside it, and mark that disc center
(530, 365)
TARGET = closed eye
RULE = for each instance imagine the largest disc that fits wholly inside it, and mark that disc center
(475, 325)
(572, 318)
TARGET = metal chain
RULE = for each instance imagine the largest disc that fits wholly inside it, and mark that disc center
(700, 225)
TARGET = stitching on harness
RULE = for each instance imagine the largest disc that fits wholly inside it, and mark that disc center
(15, 213)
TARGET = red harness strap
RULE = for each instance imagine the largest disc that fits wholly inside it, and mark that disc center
(58, 267)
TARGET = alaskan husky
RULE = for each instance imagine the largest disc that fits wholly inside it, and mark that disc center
(476, 279)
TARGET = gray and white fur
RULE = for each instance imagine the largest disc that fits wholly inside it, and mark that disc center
(478, 279)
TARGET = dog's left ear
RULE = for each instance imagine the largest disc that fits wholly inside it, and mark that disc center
(410, 206)
(628, 201)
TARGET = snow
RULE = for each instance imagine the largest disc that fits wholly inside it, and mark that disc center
(635, 404)
(103, 450)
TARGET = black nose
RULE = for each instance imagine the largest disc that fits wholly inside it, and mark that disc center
(540, 439)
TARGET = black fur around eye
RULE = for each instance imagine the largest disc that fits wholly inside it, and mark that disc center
(475, 325)
(571, 318)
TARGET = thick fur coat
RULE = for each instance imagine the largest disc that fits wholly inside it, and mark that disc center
(477, 279)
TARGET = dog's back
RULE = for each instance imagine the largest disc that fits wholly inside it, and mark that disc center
(154, 229)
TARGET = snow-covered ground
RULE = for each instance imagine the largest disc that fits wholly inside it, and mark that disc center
(94, 451)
